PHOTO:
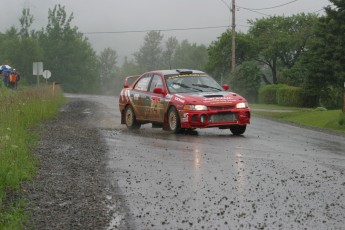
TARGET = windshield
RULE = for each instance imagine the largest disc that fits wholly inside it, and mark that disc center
(191, 83)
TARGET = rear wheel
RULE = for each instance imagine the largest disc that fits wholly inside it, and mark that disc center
(238, 129)
(131, 121)
(174, 120)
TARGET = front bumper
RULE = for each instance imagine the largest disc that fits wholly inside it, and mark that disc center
(208, 119)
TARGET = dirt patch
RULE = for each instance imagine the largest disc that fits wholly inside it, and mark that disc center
(70, 189)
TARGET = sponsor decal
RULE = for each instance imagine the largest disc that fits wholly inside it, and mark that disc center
(179, 99)
(220, 99)
(179, 95)
(184, 117)
(136, 96)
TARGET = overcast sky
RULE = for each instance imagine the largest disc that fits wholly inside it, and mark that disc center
(119, 17)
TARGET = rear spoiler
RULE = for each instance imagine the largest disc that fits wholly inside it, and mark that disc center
(129, 80)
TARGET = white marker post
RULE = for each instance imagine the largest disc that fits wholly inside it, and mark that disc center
(37, 69)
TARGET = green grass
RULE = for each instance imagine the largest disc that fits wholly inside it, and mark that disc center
(20, 111)
(303, 116)
(274, 107)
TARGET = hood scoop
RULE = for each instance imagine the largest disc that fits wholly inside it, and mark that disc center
(212, 95)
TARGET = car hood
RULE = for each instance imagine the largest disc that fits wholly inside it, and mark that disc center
(212, 98)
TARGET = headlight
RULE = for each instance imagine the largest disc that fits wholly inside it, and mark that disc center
(195, 107)
(241, 105)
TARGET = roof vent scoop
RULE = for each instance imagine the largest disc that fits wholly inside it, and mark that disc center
(184, 71)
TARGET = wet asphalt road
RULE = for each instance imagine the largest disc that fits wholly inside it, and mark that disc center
(275, 176)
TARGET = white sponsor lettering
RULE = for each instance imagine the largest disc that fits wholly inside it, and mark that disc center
(179, 99)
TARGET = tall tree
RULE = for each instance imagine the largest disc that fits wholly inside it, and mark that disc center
(26, 21)
(190, 56)
(325, 61)
(219, 53)
(68, 54)
(9, 42)
(279, 41)
(149, 55)
(169, 52)
(108, 62)
(28, 50)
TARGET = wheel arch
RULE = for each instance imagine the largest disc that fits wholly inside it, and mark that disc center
(123, 111)
(165, 123)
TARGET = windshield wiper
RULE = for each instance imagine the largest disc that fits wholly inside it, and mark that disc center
(188, 87)
(206, 86)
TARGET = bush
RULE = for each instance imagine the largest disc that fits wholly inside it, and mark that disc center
(332, 98)
(320, 109)
(290, 96)
(341, 120)
(268, 93)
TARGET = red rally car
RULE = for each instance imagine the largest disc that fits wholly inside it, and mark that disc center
(181, 99)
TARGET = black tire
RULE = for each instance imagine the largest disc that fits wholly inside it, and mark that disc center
(130, 119)
(238, 129)
(174, 120)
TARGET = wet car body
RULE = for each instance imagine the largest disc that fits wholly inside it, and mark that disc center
(182, 99)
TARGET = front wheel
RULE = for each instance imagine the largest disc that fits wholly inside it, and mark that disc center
(174, 120)
(238, 129)
(131, 121)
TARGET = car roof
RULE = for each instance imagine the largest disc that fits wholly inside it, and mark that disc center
(176, 71)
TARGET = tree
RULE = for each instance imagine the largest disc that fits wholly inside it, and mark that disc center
(279, 41)
(108, 61)
(19, 47)
(28, 50)
(219, 53)
(149, 55)
(325, 61)
(26, 21)
(248, 79)
(68, 54)
(169, 53)
(190, 56)
(9, 42)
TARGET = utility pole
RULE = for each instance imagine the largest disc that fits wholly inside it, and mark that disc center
(232, 10)
(233, 41)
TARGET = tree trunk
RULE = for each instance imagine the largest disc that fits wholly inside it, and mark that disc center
(267, 82)
(274, 71)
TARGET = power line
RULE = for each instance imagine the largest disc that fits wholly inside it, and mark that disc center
(255, 12)
(144, 31)
(268, 8)
(318, 10)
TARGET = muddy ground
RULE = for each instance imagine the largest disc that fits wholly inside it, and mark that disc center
(70, 189)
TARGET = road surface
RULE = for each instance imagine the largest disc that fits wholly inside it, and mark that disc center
(275, 176)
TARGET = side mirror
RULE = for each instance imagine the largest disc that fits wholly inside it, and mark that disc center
(158, 90)
(225, 86)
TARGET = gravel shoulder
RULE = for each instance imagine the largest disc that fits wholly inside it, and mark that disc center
(70, 189)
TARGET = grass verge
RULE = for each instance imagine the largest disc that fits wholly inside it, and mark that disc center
(329, 119)
(20, 111)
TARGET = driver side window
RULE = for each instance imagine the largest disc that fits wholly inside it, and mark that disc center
(143, 83)
(156, 82)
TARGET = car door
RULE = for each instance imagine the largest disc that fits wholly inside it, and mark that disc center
(156, 100)
(139, 97)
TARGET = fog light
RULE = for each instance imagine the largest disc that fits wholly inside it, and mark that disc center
(203, 118)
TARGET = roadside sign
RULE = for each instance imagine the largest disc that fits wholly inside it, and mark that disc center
(46, 74)
(37, 68)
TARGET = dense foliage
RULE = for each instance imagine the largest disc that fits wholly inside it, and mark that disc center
(303, 50)
(306, 51)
